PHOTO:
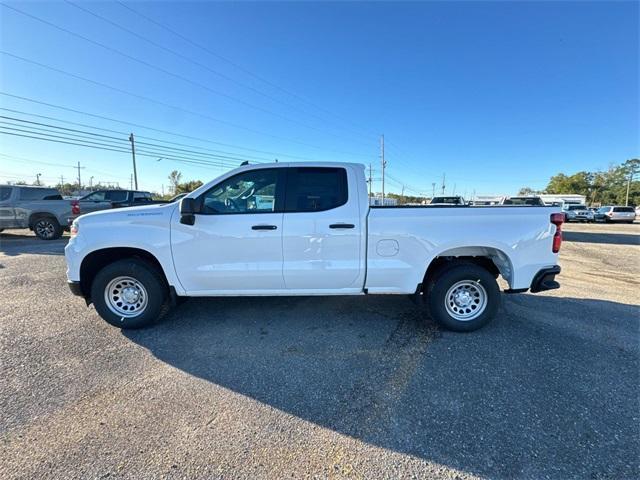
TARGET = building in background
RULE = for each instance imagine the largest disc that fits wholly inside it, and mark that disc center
(562, 199)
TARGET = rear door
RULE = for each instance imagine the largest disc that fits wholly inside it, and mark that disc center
(322, 230)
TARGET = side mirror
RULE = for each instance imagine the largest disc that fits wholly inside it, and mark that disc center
(187, 211)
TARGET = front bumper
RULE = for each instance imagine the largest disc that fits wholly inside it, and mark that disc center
(545, 279)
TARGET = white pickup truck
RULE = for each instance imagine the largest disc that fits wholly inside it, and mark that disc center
(308, 229)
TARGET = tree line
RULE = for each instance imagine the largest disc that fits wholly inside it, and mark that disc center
(615, 186)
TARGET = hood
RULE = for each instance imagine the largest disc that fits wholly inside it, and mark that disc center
(129, 213)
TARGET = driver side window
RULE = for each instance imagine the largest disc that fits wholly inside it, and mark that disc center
(254, 191)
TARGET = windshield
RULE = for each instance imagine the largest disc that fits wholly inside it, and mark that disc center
(454, 200)
(523, 201)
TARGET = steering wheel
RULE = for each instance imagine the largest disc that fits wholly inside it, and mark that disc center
(231, 204)
(249, 194)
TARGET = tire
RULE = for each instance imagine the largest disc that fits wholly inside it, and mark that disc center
(143, 304)
(47, 228)
(473, 285)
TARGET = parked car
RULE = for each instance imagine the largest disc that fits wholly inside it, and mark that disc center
(453, 200)
(616, 214)
(578, 213)
(106, 199)
(40, 209)
(531, 201)
(285, 229)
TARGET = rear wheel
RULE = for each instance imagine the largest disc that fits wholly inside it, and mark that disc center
(130, 294)
(47, 228)
(463, 298)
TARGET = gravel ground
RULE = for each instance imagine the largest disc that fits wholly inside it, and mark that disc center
(356, 387)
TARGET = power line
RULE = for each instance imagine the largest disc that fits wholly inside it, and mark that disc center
(84, 133)
(192, 61)
(104, 145)
(137, 125)
(174, 107)
(241, 68)
(170, 73)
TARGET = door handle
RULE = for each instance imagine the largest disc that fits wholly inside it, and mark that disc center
(342, 225)
(264, 227)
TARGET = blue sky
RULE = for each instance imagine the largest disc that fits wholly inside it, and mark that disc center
(497, 95)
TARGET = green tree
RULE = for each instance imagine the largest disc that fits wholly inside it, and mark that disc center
(187, 187)
(527, 191)
(174, 178)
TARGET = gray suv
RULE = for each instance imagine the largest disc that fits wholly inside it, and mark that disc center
(577, 213)
(616, 214)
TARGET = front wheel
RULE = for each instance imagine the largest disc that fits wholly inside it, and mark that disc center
(130, 294)
(463, 298)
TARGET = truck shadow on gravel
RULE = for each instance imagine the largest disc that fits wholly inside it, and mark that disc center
(549, 389)
(606, 238)
(13, 244)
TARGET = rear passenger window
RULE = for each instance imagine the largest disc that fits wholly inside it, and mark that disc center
(36, 193)
(313, 189)
(117, 196)
(624, 209)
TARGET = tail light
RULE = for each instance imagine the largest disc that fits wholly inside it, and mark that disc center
(557, 219)
(75, 207)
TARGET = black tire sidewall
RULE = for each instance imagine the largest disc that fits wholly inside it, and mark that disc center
(57, 229)
(449, 277)
(143, 273)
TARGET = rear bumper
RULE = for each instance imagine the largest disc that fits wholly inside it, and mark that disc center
(545, 279)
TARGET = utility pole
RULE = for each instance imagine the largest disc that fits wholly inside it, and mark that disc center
(90, 182)
(131, 183)
(443, 184)
(454, 189)
(61, 181)
(133, 154)
(370, 180)
(433, 189)
(384, 164)
(38, 179)
(402, 194)
(79, 181)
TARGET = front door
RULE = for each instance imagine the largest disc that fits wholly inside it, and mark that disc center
(235, 244)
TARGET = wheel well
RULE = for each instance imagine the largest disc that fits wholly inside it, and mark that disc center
(95, 261)
(35, 216)
(491, 259)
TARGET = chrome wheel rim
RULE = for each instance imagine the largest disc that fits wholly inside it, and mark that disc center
(466, 300)
(45, 228)
(126, 297)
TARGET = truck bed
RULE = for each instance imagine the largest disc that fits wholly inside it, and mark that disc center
(403, 240)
